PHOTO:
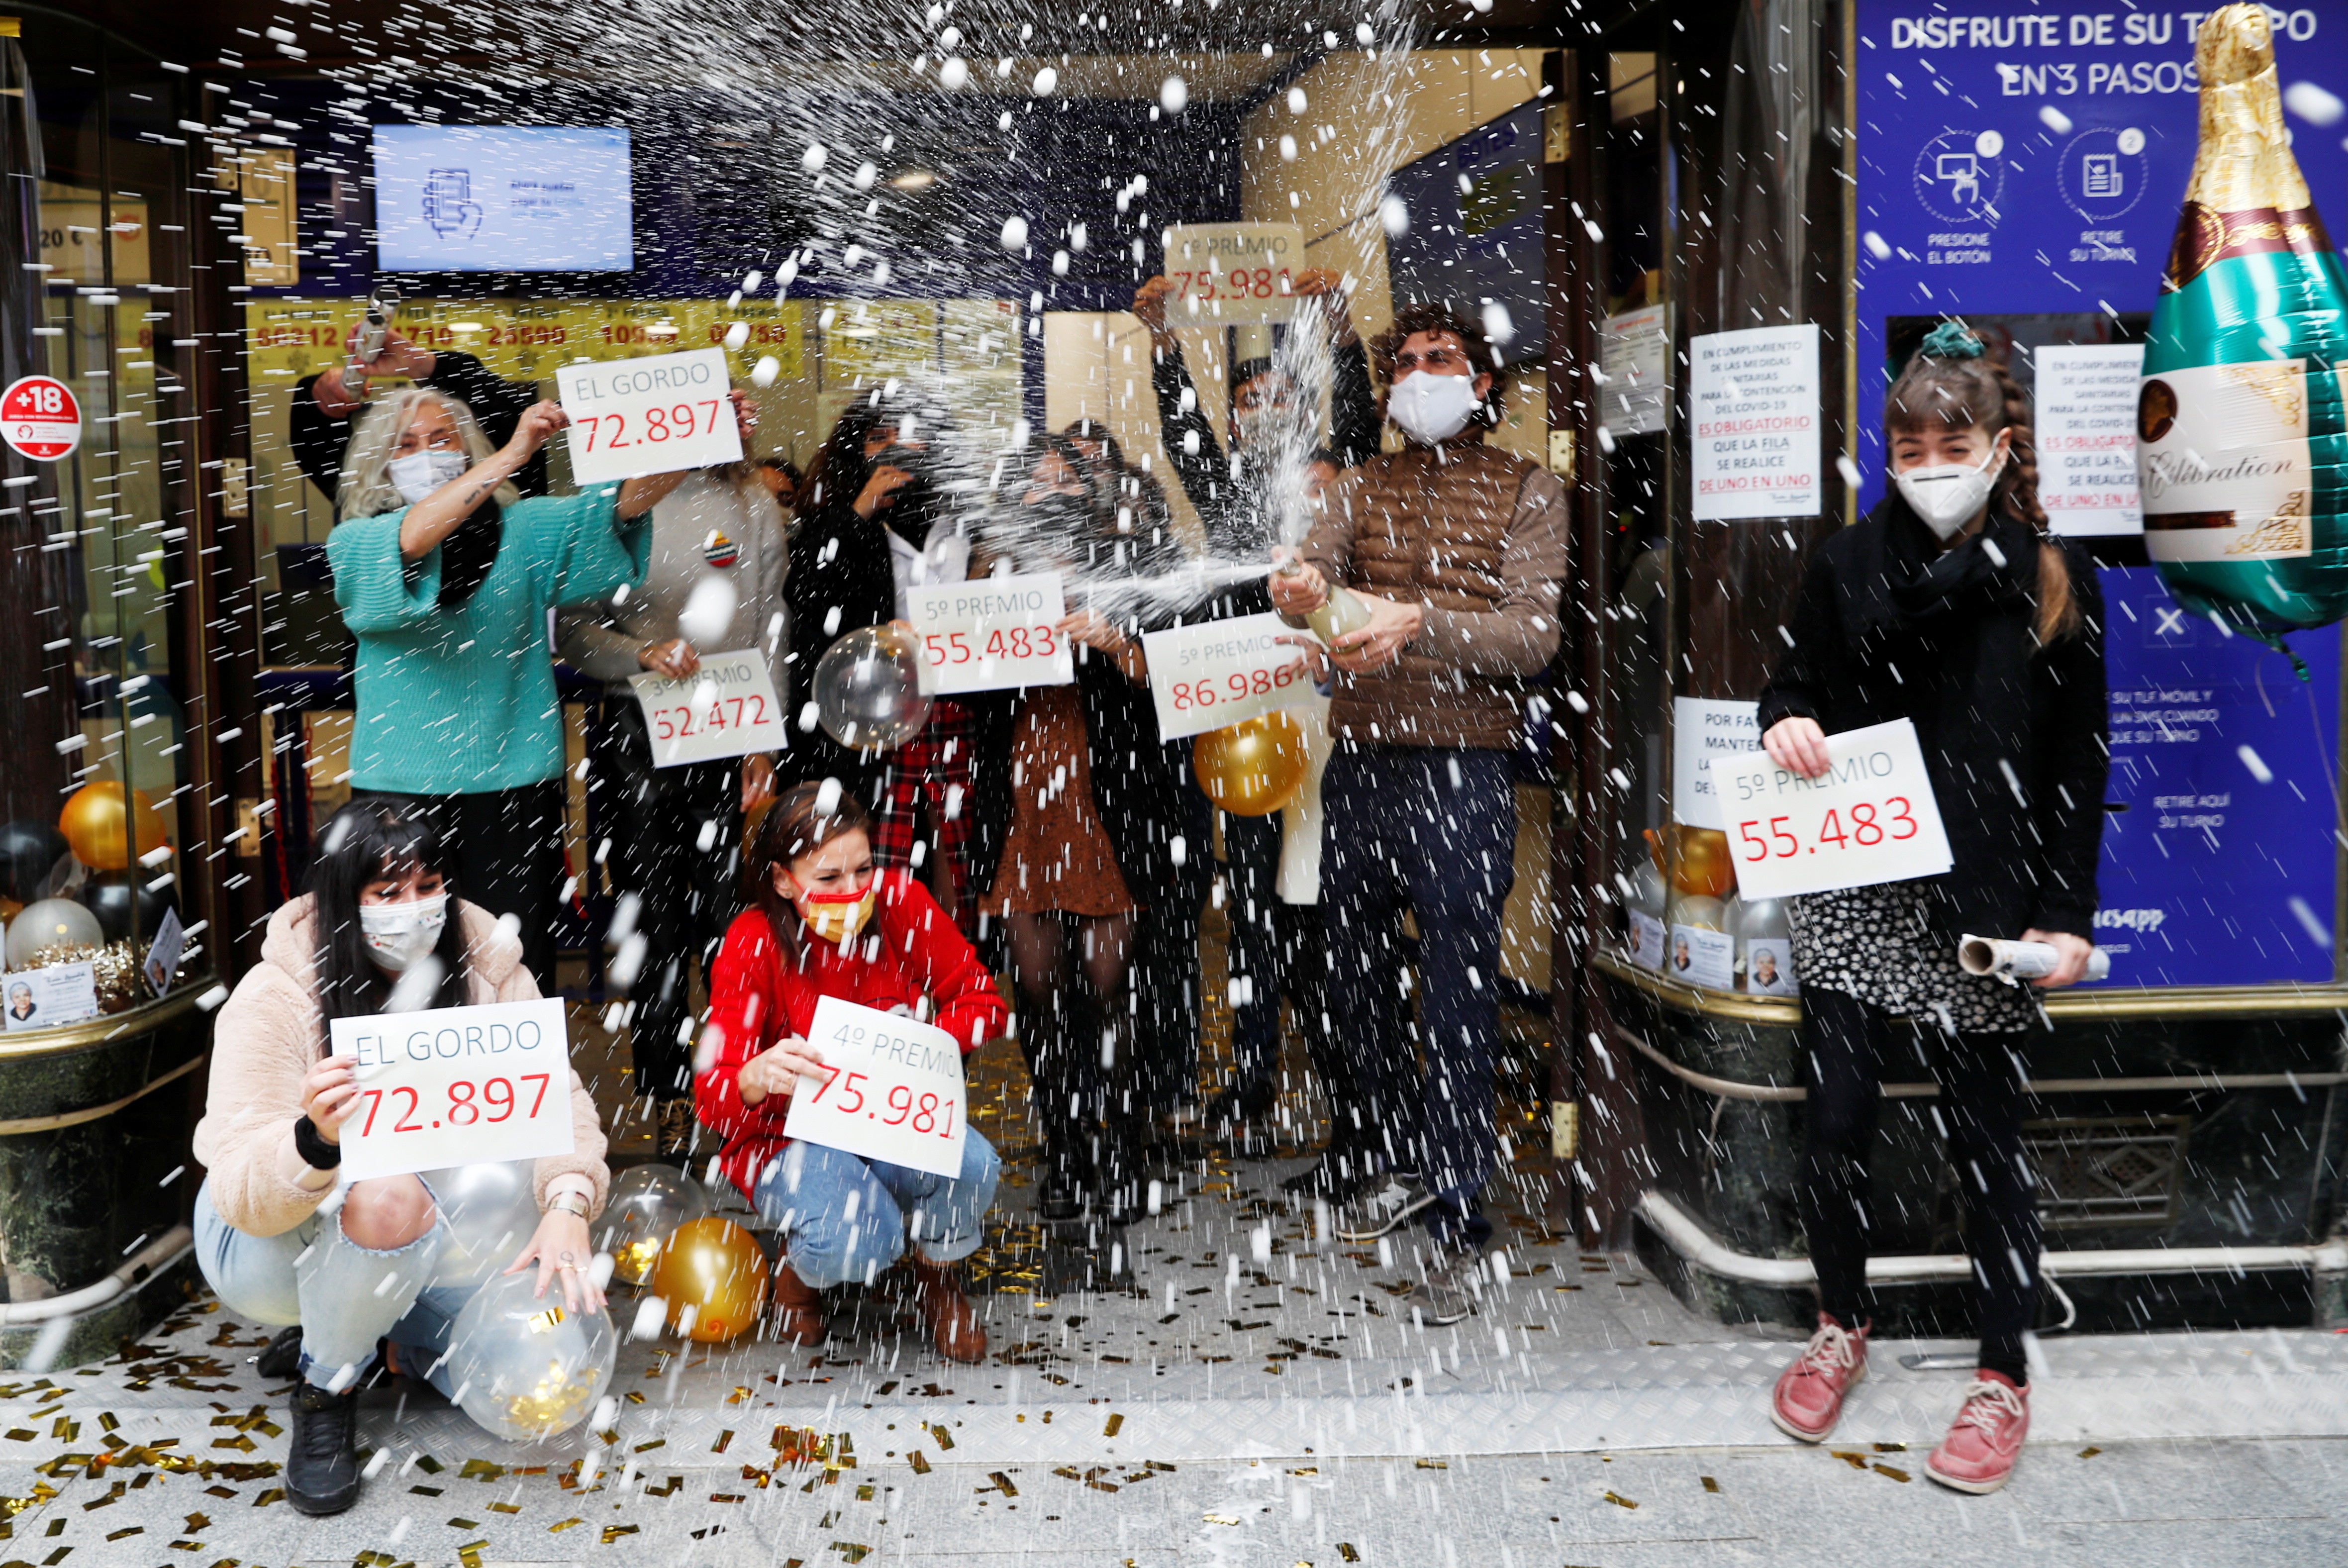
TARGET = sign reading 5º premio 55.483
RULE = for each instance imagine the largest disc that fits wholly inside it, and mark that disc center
(1870, 817)
(456, 1086)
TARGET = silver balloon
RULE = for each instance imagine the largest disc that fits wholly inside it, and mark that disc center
(868, 689)
(1764, 917)
(1649, 893)
(47, 924)
(525, 1365)
(648, 1202)
(1701, 911)
(492, 1209)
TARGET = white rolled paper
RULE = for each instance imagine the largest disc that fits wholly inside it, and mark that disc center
(2017, 961)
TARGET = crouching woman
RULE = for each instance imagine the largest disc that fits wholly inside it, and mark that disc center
(825, 923)
(351, 1266)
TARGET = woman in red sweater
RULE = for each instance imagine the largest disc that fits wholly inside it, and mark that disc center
(825, 923)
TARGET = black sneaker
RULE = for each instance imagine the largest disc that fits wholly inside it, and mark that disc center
(282, 1356)
(1341, 1172)
(1380, 1207)
(322, 1453)
(1058, 1196)
(1229, 1110)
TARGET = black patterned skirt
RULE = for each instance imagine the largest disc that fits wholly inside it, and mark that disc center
(1878, 944)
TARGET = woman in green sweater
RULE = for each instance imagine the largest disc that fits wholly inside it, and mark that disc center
(445, 575)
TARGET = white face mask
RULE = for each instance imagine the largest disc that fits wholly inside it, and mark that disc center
(418, 474)
(1947, 496)
(1431, 407)
(398, 934)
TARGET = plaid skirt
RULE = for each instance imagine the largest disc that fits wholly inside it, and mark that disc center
(933, 767)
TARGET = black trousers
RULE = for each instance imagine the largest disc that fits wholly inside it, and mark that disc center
(507, 846)
(676, 835)
(1979, 1112)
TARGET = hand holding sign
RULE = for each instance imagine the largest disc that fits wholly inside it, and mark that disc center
(1868, 816)
(892, 1090)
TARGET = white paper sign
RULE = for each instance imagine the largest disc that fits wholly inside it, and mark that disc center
(1753, 423)
(1769, 966)
(456, 1086)
(991, 634)
(1227, 273)
(51, 994)
(1701, 957)
(651, 416)
(895, 1093)
(2086, 404)
(1221, 673)
(1634, 357)
(1646, 940)
(1870, 818)
(1702, 729)
(726, 708)
(163, 954)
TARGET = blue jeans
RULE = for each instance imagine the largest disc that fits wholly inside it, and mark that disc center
(844, 1217)
(1438, 827)
(346, 1296)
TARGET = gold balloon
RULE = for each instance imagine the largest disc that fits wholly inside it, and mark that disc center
(95, 823)
(1696, 859)
(1254, 768)
(716, 1268)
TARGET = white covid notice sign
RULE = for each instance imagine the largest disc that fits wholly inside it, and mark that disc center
(2085, 405)
(1753, 423)
(1221, 673)
(727, 708)
(456, 1086)
(1703, 728)
(894, 1093)
(651, 416)
(1870, 817)
(991, 634)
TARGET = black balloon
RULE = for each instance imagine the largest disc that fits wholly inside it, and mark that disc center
(109, 896)
(29, 854)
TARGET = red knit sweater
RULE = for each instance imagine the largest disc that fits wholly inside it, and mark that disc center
(758, 995)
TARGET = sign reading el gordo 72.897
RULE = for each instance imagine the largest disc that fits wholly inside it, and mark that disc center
(1870, 817)
(40, 417)
(456, 1086)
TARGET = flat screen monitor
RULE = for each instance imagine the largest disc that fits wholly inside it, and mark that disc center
(502, 199)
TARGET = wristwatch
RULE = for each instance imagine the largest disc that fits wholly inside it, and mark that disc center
(568, 1202)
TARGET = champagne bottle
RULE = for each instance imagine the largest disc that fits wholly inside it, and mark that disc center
(2238, 417)
(1340, 612)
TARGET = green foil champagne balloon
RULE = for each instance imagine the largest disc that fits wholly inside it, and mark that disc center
(2238, 418)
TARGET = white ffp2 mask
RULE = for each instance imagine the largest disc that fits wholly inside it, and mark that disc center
(398, 934)
(1431, 407)
(1946, 495)
(418, 474)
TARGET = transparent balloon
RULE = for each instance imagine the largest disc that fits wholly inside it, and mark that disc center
(526, 1367)
(492, 1210)
(48, 923)
(868, 689)
(647, 1206)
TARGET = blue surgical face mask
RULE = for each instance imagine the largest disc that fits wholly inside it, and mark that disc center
(418, 474)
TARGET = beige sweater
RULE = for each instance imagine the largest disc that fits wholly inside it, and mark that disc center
(268, 1037)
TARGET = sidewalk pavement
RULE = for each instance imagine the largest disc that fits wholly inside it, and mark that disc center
(1252, 1397)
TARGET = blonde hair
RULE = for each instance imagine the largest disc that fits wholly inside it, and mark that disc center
(367, 490)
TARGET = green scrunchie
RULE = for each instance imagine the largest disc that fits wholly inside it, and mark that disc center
(1951, 340)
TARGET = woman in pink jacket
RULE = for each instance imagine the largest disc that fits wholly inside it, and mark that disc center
(382, 909)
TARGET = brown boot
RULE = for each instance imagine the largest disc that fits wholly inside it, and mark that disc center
(937, 1295)
(799, 1309)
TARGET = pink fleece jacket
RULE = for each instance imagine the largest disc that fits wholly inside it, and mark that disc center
(270, 1034)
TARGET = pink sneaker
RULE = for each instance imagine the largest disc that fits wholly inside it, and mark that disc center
(1983, 1442)
(1809, 1399)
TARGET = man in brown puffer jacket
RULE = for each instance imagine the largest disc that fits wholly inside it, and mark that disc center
(1457, 548)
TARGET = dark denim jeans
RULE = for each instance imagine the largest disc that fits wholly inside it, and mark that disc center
(1438, 828)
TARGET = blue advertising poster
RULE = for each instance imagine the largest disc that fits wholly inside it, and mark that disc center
(2028, 162)
(2219, 868)
(1475, 233)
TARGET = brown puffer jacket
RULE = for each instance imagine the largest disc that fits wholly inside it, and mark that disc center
(1478, 537)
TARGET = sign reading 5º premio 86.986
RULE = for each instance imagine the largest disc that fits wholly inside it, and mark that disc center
(1870, 817)
(456, 1086)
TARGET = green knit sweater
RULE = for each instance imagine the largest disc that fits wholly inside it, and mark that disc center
(461, 701)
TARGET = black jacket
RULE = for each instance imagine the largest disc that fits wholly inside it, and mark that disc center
(2013, 734)
(839, 562)
(1137, 781)
(499, 404)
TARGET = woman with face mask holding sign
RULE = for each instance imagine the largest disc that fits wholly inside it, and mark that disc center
(382, 917)
(825, 922)
(444, 574)
(1950, 605)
